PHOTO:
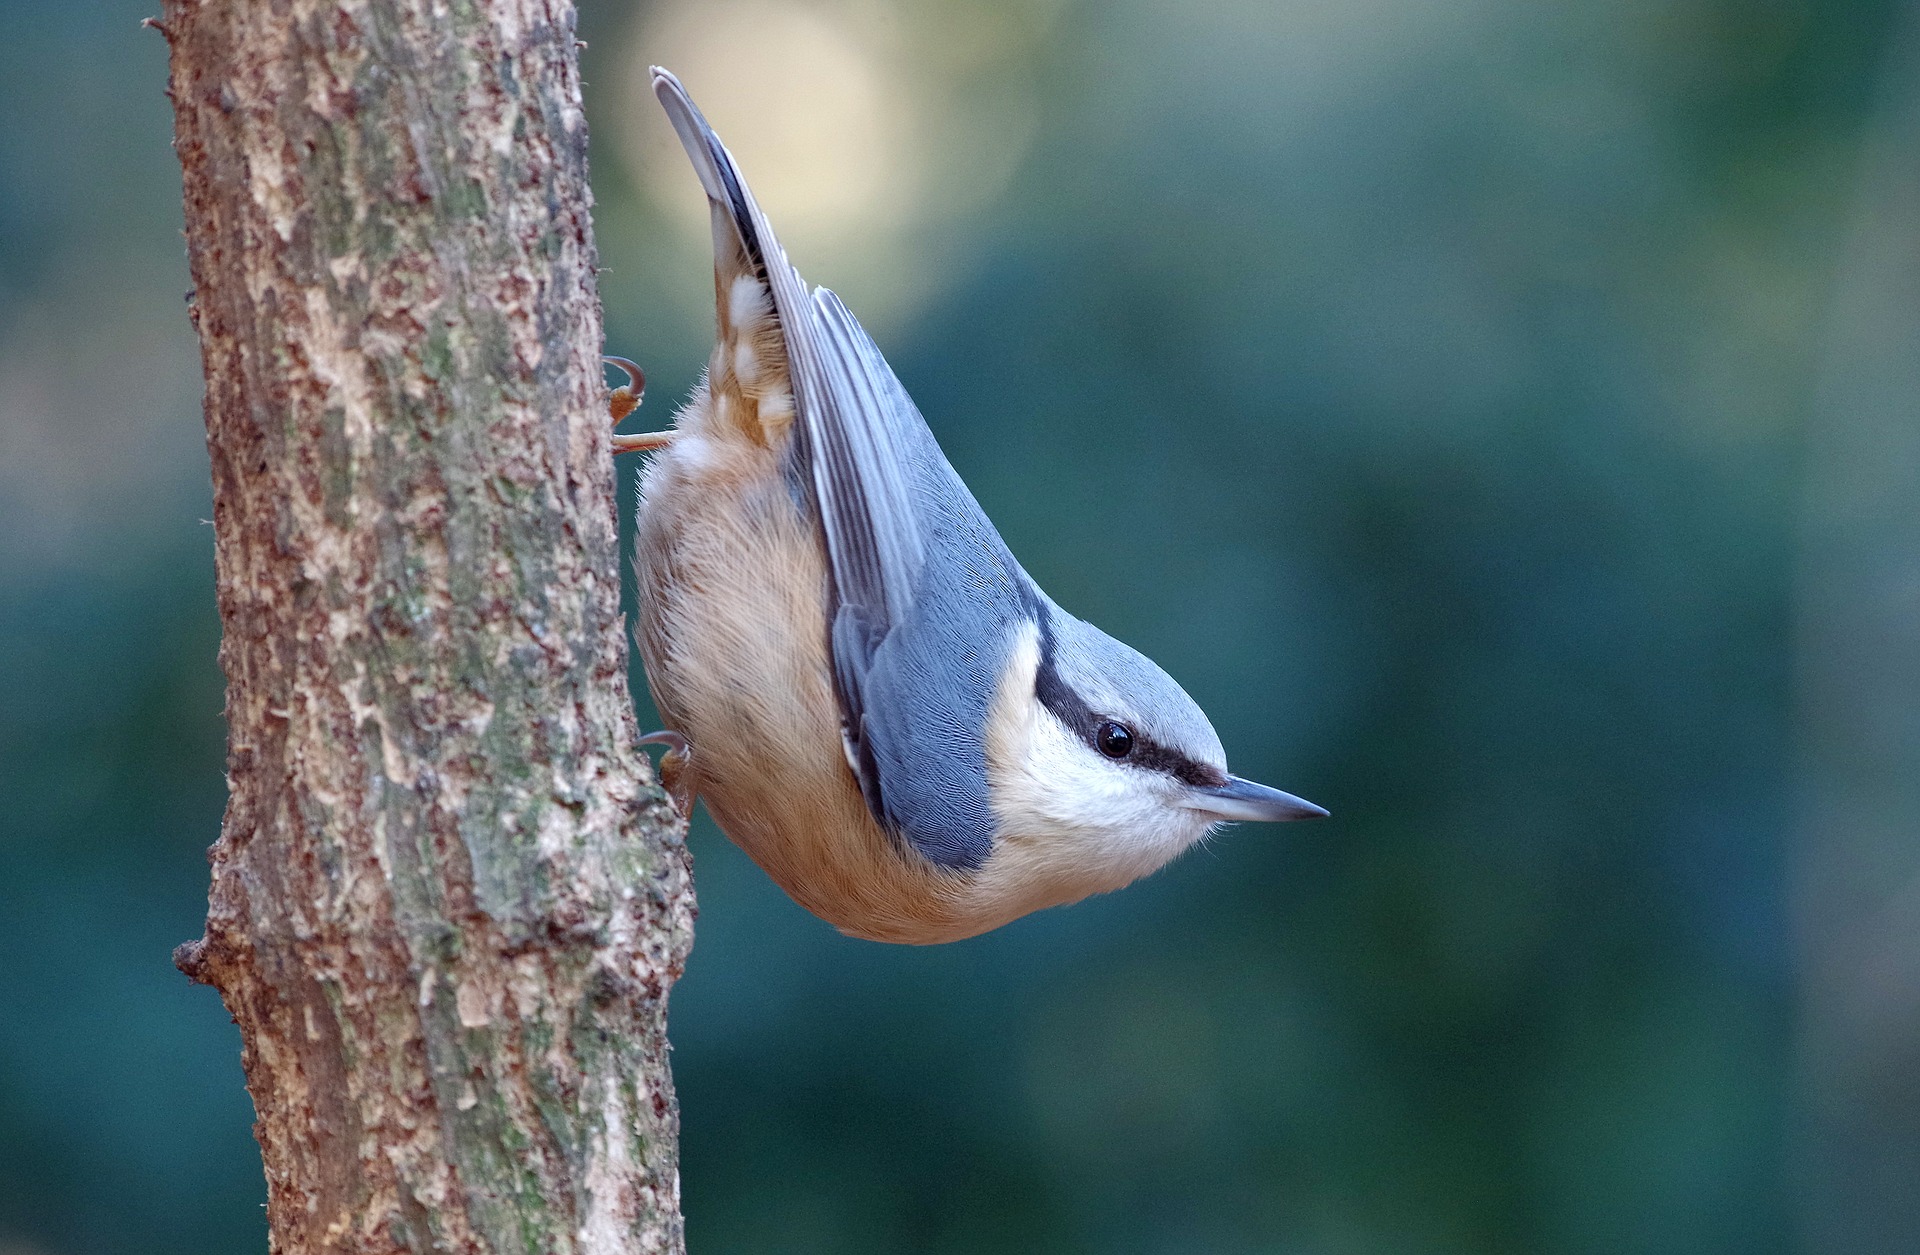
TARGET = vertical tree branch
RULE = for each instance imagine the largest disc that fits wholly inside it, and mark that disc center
(447, 902)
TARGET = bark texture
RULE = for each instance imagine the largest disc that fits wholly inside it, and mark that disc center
(448, 901)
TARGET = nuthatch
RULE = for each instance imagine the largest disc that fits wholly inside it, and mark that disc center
(876, 702)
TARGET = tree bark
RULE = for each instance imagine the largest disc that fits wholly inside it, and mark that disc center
(448, 900)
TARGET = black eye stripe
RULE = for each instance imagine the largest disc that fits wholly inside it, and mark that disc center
(1147, 754)
(1154, 756)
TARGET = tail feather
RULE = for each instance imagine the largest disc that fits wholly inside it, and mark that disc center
(749, 375)
(854, 438)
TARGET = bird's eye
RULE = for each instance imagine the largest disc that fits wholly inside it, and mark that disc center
(1115, 740)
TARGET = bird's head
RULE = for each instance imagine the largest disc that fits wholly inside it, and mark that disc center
(1097, 758)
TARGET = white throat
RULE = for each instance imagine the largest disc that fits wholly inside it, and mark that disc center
(1071, 822)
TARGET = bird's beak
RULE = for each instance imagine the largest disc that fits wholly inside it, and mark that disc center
(1244, 801)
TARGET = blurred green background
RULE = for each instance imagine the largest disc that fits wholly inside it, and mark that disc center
(1500, 414)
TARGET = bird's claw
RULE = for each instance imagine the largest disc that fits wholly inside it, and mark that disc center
(675, 767)
(624, 401)
(627, 397)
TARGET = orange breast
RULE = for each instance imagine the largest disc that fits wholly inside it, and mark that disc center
(733, 634)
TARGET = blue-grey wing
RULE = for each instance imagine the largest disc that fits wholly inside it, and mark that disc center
(911, 651)
(920, 625)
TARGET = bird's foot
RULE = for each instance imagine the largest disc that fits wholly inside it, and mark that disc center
(675, 766)
(624, 401)
(641, 442)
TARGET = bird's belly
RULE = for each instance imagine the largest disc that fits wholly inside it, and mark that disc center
(733, 604)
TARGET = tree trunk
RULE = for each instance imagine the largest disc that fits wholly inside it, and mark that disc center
(448, 901)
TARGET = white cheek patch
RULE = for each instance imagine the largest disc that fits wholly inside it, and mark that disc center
(1071, 822)
(1081, 793)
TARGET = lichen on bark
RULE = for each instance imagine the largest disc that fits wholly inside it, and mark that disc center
(448, 901)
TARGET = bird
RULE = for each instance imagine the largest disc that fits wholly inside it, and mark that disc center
(872, 697)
